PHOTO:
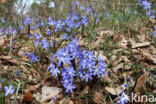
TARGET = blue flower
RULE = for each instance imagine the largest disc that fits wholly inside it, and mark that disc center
(77, 2)
(27, 21)
(62, 56)
(18, 72)
(71, 71)
(70, 23)
(123, 99)
(128, 12)
(91, 66)
(148, 13)
(69, 87)
(153, 17)
(48, 32)
(40, 23)
(54, 71)
(146, 5)
(82, 8)
(126, 85)
(84, 20)
(86, 76)
(78, 24)
(14, 31)
(32, 57)
(64, 73)
(51, 22)
(66, 80)
(29, 36)
(75, 17)
(58, 25)
(89, 10)
(83, 63)
(135, 12)
(36, 43)
(51, 66)
(2, 30)
(97, 72)
(8, 90)
(2, 20)
(36, 36)
(107, 15)
(45, 44)
(21, 27)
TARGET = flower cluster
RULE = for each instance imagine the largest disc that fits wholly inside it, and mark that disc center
(70, 62)
(146, 6)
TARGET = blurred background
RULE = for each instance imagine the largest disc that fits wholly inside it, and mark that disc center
(13, 10)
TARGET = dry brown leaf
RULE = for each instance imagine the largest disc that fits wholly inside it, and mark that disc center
(115, 91)
(97, 98)
(34, 87)
(24, 59)
(49, 93)
(140, 83)
(152, 20)
(116, 37)
(6, 57)
(14, 61)
(123, 43)
(10, 59)
(118, 66)
(103, 34)
(63, 101)
(149, 57)
(100, 53)
(70, 102)
(2, 41)
(28, 98)
(140, 45)
(107, 78)
(37, 96)
(96, 43)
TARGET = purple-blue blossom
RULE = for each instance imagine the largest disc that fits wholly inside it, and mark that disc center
(45, 44)
(123, 99)
(36, 36)
(51, 22)
(27, 21)
(69, 87)
(48, 31)
(2, 20)
(8, 90)
(55, 71)
(32, 57)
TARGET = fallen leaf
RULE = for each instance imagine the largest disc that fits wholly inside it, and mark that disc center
(70, 102)
(38, 97)
(97, 98)
(28, 98)
(49, 93)
(34, 87)
(140, 83)
(2, 41)
(140, 45)
(115, 91)
(149, 57)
